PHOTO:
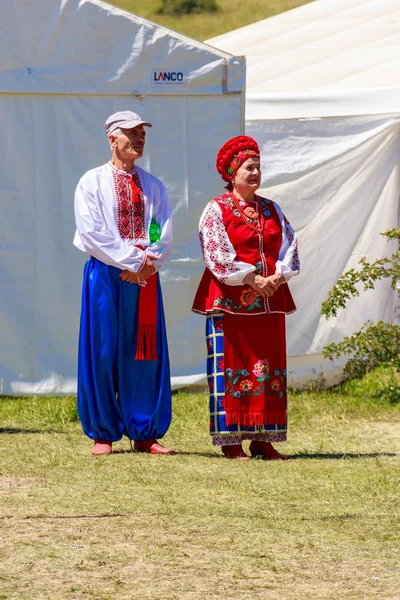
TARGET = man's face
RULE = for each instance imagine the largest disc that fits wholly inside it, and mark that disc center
(130, 144)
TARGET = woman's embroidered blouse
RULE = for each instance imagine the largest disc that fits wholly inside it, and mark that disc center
(232, 249)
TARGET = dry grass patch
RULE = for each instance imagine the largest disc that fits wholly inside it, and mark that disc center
(195, 525)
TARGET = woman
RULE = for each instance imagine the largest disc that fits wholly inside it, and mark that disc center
(250, 251)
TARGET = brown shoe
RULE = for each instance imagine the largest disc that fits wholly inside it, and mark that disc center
(101, 447)
(265, 450)
(152, 447)
(234, 451)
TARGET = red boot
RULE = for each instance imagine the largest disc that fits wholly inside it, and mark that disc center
(265, 450)
(235, 451)
(101, 447)
(152, 447)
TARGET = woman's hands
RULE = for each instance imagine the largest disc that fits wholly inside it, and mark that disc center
(144, 273)
(265, 286)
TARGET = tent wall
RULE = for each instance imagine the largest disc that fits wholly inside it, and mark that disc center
(323, 102)
(338, 182)
(336, 179)
(47, 143)
(91, 47)
(65, 67)
(323, 59)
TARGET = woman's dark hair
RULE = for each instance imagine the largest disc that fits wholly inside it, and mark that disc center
(229, 186)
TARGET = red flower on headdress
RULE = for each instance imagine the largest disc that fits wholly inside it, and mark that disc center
(229, 153)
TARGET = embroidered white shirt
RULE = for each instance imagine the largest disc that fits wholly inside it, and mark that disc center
(96, 216)
(220, 256)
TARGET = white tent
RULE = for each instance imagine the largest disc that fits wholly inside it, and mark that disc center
(323, 101)
(65, 65)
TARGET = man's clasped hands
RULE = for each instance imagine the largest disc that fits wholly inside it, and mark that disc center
(144, 272)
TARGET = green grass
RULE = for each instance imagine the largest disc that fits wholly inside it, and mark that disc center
(197, 526)
(232, 14)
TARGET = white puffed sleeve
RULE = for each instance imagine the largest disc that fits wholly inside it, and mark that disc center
(288, 263)
(163, 217)
(98, 236)
(219, 254)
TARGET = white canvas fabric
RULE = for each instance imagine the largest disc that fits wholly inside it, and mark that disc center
(323, 103)
(327, 123)
(91, 47)
(64, 68)
(338, 182)
(326, 58)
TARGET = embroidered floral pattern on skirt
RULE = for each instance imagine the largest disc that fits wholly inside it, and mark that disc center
(246, 383)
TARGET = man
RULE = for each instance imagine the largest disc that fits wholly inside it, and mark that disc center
(123, 221)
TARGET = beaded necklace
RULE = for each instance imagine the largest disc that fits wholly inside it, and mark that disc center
(257, 223)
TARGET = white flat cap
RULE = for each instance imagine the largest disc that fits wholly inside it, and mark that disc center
(125, 119)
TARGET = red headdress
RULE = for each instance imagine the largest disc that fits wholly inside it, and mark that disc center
(233, 153)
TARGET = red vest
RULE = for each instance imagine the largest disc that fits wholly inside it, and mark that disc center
(258, 249)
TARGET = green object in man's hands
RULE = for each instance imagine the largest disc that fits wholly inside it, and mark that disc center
(154, 232)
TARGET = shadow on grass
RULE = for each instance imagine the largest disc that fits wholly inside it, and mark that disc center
(177, 453)
(300, 455)
(204, 454)
(338, 455)
(32, 517)
(20, 430)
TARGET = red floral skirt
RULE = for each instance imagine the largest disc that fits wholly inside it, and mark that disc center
(255, 370)
(240, 381)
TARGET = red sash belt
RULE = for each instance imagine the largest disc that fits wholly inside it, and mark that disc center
(146, 345)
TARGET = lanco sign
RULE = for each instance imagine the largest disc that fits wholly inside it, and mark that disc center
(160, 77)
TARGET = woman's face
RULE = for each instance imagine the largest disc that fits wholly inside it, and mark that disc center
(248, 175)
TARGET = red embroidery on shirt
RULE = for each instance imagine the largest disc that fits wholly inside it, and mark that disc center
(130, 205)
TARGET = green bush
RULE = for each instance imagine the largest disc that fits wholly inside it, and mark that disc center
(184, 7)
(375, 343)
(368, 274)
